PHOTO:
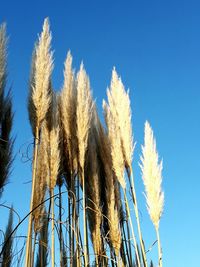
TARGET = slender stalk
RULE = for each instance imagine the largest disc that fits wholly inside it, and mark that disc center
(78, 259)
(60, 227)
(125, 250)
(159, 247)
(52, 230)
(132, 230)
(33, 253)
(87, 244)
(111, 257)
(70, 230)
(77, 225)
(129, 238)
(73, 215)
(84, 221)
(81, 245)
(131, 180)
(29, 240)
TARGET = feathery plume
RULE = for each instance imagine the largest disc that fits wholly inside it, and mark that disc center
(93, 192)
(42, 173)
(42, 66)
(6, 114)
(83, 113)
(68, 102)
(109, 189)
(64, 170)
(38, 106)
(152, 176)
(54, 147)
(6, 142)
(116, 151)
(119, 104)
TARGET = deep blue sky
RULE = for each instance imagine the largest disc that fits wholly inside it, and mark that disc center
(155, 46)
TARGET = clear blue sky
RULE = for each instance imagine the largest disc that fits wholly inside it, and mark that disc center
(155, 46)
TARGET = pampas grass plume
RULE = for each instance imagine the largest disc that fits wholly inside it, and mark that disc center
(152, 176)
(42, 69)
(116, 150)
(83, 112)
(68, 101)
(54, 146)
(119, 102)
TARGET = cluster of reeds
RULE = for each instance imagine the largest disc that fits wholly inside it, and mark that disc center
(80, 211)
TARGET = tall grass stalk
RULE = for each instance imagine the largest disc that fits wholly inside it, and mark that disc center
(39, 101)
(84, 219)
(120, 115)
(152, 178)
(83, 113)
(60, 224)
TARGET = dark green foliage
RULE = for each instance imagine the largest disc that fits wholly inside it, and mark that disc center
(7, 254)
